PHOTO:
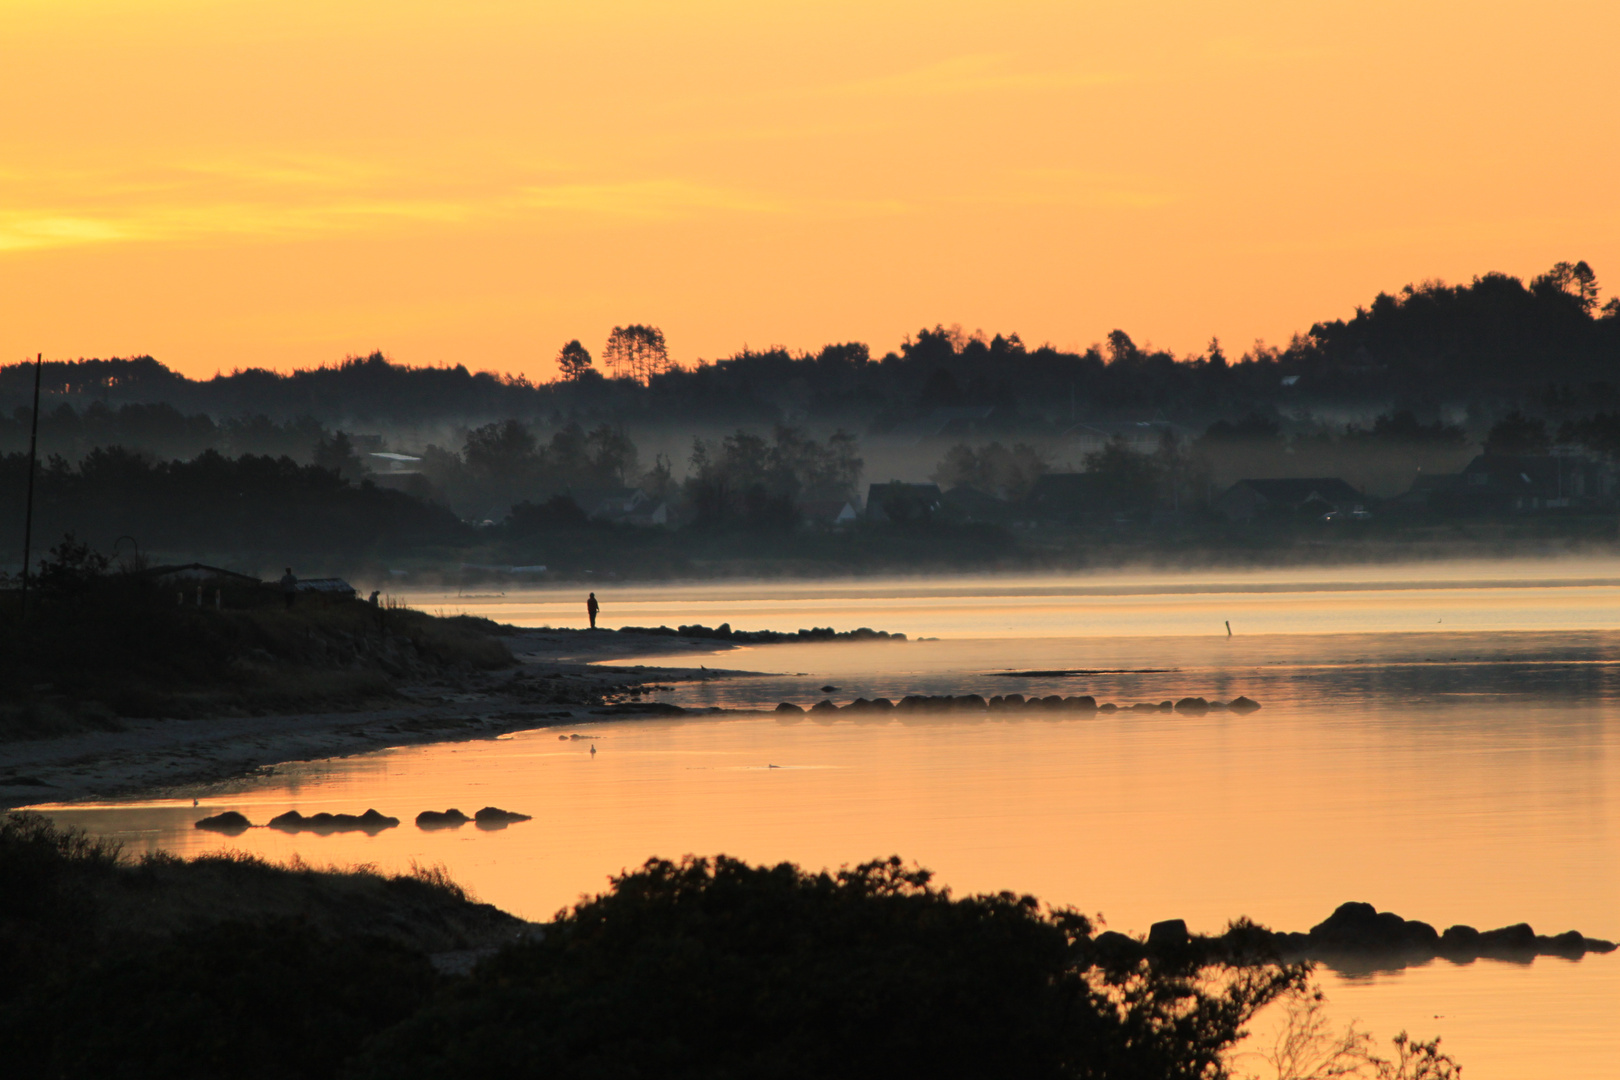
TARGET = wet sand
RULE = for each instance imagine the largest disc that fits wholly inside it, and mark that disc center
(559, 680)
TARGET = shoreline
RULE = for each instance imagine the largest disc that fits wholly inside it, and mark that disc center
(559, 679)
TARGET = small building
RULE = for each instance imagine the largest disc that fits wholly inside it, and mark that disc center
(399, 472)
(195, 573)
(1528, 483)
(899, 501)
(608, 503)
(330, 587)
(649, 513)
(1287, 496)
(384, 462)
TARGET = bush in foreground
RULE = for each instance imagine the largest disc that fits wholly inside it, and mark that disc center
(713, 968)
(228, 967)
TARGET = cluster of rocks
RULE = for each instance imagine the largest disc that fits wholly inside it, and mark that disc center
(234, 824)
(724, 632)
(1017, 703)
(490, 817)
(369, 822)
(1356, 935)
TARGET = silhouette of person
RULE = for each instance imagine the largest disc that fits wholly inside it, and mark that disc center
(289, 587)
(591, 608)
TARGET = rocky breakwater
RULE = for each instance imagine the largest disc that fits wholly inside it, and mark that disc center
(724, 632)
(1356, 937)
(1082, 705)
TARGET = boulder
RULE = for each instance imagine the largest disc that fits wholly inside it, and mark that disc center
(493, 817)
(229, 822)
(1570, 944)
(1459, 943)
(369, 822)
(789, 707)
(1083, 703)
(1358, 929)
(825, 705)
(449, 819)
(1508, 941)
(1242, 704)
(1195, 706)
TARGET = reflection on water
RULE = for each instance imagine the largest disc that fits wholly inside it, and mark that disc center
(1551, 595)
(1453, 776)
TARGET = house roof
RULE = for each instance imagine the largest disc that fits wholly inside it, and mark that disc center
(325, 584)
(197, 571)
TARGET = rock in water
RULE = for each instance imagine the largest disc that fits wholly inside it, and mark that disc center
(369, 822)
(493, 817)
(450, 819)
(1243, 705)
(1359, 928)
(229, 822)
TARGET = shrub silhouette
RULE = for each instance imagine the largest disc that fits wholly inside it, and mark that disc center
(715, 969)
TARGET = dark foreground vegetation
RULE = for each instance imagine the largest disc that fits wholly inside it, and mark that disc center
(227, 967)
(223, 966)
(101, 642)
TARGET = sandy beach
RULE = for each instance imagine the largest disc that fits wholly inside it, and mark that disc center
(558, 680)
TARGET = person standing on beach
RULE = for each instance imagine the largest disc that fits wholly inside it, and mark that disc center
(591, 608)
(289, 587)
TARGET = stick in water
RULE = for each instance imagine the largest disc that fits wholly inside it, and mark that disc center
(1228, 627)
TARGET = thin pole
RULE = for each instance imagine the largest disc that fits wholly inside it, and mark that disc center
(28, 515)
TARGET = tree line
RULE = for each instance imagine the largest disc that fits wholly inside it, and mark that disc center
(244, 507)
(1495, 340)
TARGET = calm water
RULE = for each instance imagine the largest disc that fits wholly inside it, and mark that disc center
(1442, 743)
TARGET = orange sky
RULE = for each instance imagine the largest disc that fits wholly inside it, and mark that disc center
(225, 183)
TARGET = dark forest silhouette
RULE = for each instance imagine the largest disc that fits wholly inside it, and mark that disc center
(1388, 408)
(1495, 338)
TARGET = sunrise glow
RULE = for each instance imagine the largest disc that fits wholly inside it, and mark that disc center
(225, 184)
